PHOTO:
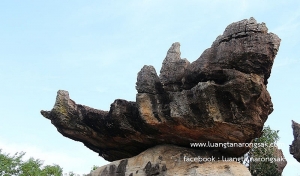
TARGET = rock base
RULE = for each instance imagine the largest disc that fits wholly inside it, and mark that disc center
(171, 160)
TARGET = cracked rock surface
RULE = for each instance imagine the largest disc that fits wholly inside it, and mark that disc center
(220, 97)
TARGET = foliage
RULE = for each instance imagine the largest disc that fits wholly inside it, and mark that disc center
(10, 165)
(52, 170)
(14, 165)
(94, 168)
(257, 157)
(31, 167)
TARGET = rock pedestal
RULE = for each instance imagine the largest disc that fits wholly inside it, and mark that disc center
(221, 97)
(168, 160)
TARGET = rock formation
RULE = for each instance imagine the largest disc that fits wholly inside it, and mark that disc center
(168, 160)
(295, 147)
(282, 163)
(221, 97)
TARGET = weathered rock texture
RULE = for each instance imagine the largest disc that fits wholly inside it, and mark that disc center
(167, 160)
(280, 164)
(221, 97)
(295, 147)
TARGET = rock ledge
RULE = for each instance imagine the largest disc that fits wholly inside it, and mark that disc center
(221, 97)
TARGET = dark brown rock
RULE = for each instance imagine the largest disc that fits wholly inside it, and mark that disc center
(295, 147)
(282, 163)
(244, 46)
(221, 97)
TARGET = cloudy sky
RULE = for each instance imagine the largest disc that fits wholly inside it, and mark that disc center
(94, 49)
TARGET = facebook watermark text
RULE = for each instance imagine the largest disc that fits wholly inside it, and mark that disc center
(228, 159)
(199, 159)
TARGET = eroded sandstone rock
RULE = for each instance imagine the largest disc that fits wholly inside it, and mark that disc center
(282, 163)
(295, 147)
(221, 97)
(168, 160)
(173, 68)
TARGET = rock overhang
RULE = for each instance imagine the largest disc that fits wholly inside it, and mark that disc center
(220, 97)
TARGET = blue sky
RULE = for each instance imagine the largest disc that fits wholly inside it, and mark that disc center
(94, 50)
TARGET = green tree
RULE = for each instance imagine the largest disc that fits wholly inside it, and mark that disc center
(10, 165)
(14, 165)
(54, 170)
(257, 158)
(31, 167)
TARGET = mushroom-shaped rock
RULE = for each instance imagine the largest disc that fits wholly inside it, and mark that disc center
(219, 98)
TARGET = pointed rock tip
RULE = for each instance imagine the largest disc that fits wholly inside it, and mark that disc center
(45, 114)
(252, 20)
(294, 123)
(175, 48)
(62, 92)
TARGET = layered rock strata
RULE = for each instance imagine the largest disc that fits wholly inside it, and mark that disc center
(295, 147)
(168, 160)
(221, 97)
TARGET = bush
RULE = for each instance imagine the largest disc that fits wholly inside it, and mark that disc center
(263, 168)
